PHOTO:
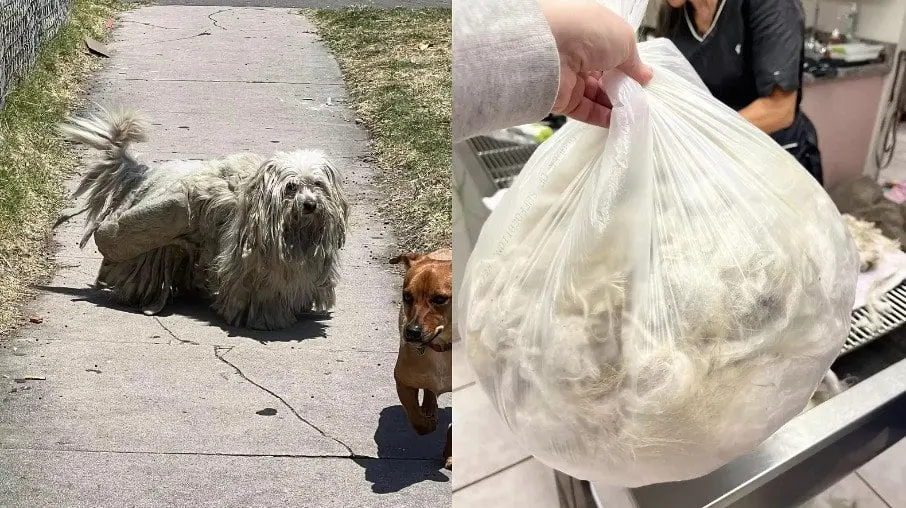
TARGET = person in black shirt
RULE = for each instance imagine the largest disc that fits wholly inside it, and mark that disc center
(750, 54)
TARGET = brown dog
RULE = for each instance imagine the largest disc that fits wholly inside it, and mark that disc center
(425, 360)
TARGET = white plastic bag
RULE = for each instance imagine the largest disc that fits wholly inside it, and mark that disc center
(649, 302)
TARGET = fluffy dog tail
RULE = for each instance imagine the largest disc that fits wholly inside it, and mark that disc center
(112, 181)
(111, 132)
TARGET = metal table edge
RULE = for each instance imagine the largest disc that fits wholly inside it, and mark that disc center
(805, 457)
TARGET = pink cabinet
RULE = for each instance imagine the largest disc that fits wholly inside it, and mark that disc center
(844, 112)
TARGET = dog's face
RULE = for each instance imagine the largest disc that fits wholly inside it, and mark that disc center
(427, 312)
(302, 202)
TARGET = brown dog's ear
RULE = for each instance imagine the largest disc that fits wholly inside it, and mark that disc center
(406, 259)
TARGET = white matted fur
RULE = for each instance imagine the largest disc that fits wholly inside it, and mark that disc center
(259, 235)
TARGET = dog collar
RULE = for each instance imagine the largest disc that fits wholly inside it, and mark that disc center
(441, 348)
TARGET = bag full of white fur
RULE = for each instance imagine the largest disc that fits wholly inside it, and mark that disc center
(650, 301)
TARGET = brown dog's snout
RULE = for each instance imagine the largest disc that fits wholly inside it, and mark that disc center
(414, 332)
(309, 206)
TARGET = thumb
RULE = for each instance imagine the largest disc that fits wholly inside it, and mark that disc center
(635, 69)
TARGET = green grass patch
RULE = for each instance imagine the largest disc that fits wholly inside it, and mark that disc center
(397, 67)
(34, 162)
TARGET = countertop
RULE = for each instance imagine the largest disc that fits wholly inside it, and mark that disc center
(867, 70)
(854, 72)
(843, 73)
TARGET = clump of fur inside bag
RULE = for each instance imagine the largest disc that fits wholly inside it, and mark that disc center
(649, 302)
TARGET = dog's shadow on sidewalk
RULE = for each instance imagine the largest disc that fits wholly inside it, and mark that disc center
(309, 326)
(404, 457)
(198, 308)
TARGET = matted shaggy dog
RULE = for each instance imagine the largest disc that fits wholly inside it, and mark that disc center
(260, 236)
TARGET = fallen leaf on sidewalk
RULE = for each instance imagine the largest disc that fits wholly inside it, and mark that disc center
(109, 23)
(36, 320)
(423, 46)
(97, 48)
(96, 371)
(268, 411)
(34, 378)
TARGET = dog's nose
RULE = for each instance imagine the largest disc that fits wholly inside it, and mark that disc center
(414, 332)
(309, 206)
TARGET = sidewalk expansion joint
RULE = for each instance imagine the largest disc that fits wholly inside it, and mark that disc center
(221, 352)
(223, 454)
(242, 81)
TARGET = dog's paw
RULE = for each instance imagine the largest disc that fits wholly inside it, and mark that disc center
(448, 463)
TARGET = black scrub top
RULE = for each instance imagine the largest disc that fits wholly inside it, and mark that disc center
(751, 47)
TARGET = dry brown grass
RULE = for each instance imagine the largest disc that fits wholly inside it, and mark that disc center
(33, 161)
(397, 66)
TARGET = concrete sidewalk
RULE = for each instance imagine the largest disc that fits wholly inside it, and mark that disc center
(130, 410)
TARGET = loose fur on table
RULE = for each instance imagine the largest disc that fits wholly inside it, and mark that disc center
(870, 241)
(872, 246)
(830, 387)
(258, 235)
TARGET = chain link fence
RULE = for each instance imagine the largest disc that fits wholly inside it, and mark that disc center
(24, 25)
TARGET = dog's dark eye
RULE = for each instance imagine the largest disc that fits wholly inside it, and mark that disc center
(407, 297)
(321, 185)
(440, 299)
(291, 188)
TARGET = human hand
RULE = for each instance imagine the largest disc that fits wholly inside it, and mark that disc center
(591, 40)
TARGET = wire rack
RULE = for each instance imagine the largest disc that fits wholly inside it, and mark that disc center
(24, 25)
(503, 160)
(863, 331)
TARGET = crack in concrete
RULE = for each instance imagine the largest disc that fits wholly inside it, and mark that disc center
(220, 356)
(165, 40)
(211, 17)
(152, 25)
(183, 341)
(202, 33)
